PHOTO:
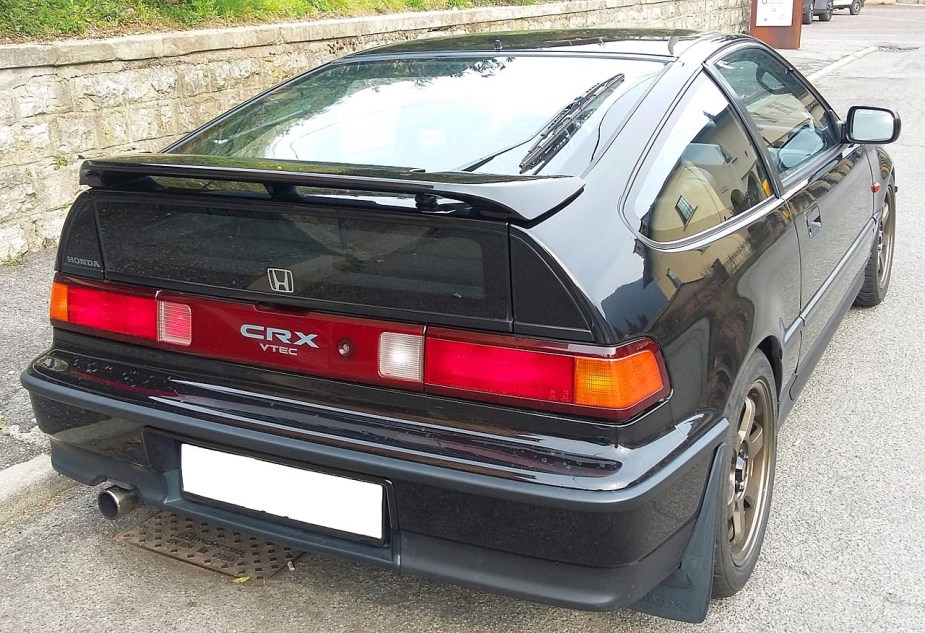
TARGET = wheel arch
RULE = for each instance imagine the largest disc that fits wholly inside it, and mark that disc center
(771, 348)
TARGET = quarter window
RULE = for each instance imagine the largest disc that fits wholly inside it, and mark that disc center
(703, 169)
(793, 124)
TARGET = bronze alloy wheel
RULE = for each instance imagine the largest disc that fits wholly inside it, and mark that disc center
(749, 472)
(750, 456)
(885, 232)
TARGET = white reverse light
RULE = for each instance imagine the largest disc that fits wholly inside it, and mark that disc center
(174, 323)
(401, 356)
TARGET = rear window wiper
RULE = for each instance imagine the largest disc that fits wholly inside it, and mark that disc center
(560, 129)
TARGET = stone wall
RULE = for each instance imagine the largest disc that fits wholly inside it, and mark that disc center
(62, 102)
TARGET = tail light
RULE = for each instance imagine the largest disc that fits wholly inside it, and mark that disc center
(126, 313)
(129, 314)
(613, 383)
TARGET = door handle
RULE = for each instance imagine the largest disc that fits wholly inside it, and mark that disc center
(814, 220)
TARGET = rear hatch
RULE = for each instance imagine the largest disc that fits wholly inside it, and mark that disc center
(386, 243)
(424, 283)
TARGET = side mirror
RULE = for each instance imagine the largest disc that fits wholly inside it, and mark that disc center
(872, 125)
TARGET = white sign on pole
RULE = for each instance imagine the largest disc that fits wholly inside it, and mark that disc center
(774, 13)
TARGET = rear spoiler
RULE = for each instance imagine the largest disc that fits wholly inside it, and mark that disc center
(519, 197)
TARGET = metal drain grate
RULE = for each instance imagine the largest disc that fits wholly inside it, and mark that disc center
(209, 546)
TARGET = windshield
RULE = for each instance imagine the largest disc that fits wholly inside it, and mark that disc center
(445, 114)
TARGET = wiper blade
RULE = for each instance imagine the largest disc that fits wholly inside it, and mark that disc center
(562, 126)
(481, 162)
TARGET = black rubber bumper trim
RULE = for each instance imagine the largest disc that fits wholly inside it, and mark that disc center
(683, 564)
(386, 467)
(538, 580)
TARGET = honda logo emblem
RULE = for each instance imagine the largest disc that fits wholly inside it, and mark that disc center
(280, 280)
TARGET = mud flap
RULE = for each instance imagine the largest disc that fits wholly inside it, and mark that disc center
(685, 594)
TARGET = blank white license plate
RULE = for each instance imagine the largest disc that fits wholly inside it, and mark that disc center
(324, 500)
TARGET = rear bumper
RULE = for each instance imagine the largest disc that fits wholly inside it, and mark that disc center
(554, 539)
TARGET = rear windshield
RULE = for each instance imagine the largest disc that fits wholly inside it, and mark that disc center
(437, 114)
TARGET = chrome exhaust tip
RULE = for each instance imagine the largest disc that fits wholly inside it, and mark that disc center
(115, 502)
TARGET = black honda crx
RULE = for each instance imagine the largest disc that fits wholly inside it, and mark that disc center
(521, 311)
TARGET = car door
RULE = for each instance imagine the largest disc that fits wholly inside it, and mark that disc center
(827, 184)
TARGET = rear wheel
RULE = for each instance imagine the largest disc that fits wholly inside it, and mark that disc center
(825, 17)
(746, 492)
(808, 17)
(880, 264)
(855, 7)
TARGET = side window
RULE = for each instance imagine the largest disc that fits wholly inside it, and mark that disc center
(793, 124)
(702, 170)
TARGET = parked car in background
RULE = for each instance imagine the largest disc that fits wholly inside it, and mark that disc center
(821, 8)
(521, 311)
(854, 6)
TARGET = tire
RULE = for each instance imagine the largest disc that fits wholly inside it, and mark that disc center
(808, 17)
(855, 7)
(745, 500)
(880, 265)
(825, 17)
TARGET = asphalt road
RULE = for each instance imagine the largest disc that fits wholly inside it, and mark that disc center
(845, 549)
(25, 332)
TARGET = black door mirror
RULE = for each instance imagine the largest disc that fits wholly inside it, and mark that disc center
(872, 125)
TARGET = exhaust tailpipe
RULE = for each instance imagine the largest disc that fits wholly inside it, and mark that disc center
(115, 502)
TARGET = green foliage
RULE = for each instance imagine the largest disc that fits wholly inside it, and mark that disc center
(37, 18)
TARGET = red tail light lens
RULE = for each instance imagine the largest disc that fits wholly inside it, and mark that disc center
(504, 371)
(612, 382)
(119, 313)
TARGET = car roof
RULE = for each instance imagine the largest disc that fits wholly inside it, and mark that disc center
(661, 43)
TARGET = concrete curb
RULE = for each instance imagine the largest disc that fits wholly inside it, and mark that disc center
(841, 63)
(27, 485)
